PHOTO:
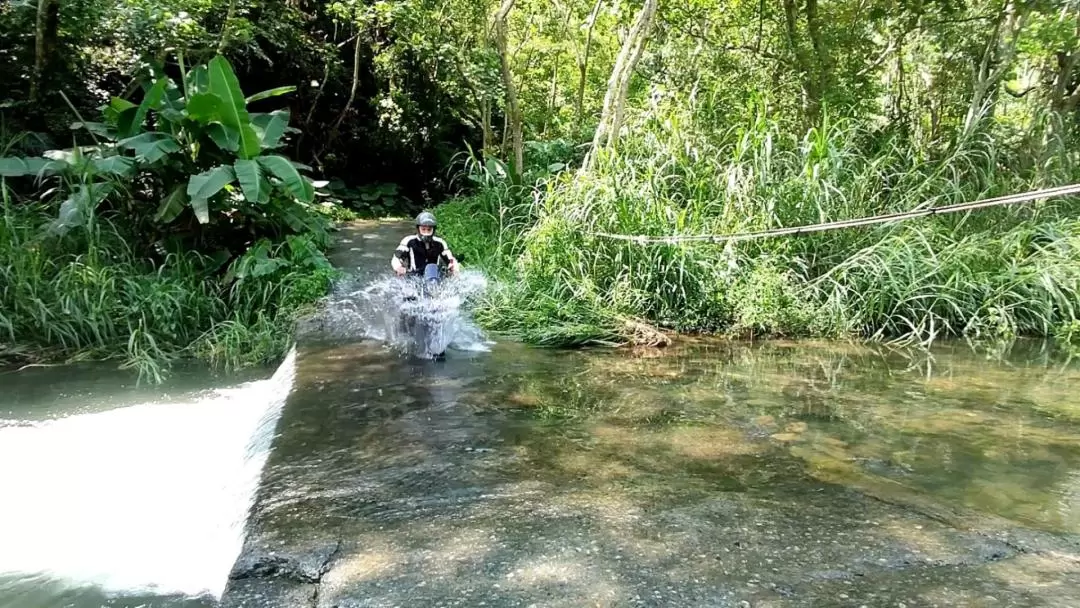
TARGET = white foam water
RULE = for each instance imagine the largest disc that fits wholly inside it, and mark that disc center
(150, 498)
(374, 310)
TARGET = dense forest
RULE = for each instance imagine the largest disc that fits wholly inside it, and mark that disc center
(173, 168)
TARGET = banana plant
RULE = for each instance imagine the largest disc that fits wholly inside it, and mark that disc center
(198, 138)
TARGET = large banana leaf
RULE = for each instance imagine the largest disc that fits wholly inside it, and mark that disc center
(151, 100)
(120, 112)
(224, 84)
(151, 147)
(281, 168)
(270, 93)
(198, 80)
(226, 138)
(254, 184)
(13, 166)
(206, 184)
(204, 107)
(78, 207)
(270, 127)
(171, 205)
(121, 166)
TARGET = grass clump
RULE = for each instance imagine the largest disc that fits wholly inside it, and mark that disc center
(996, 273)
(92, 295)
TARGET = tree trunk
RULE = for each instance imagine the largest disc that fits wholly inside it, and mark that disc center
(46, 25)
(223, 43)
(513, 112)
(1062, 97)
(335, 129)
(809, 73)
(821, 53)
(607, 132)
(996, 60)
(485, 125)
(1065, 91)
(556, 59)
(552, 109)
(583, 65)
(899, 109)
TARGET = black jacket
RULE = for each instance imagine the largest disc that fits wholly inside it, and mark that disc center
(415, 253)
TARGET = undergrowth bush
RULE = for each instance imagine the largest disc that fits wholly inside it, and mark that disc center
(179, 230)
(995, 273)
(89, 295)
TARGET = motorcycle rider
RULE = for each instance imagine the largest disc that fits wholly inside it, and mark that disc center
(418, 250)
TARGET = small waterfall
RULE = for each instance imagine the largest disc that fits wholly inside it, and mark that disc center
(145, 499)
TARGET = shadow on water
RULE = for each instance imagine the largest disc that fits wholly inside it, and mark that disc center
(706, 475)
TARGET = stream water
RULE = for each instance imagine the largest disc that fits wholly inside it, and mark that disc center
(706, 474)
(709, 473)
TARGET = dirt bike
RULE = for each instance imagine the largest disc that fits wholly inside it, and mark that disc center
(421, 318)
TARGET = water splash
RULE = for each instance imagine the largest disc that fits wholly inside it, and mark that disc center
(150, 498)
(377, 307)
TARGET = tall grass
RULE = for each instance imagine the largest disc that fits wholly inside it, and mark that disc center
(90, 295)
(998, 272)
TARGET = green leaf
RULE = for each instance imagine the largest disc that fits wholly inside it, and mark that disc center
(173, 116)
(79, 206)
(270, 93)
(97, 128)
(13, 166)
(255, 186)
(151, 100)
(297, 218)
(241, 268)
(265, 266)
(270, 127)
(218, 259)
(206, 184)
(224, 84)
(304, 252)
(201, 209)
(249, 138)
(116, 165)
(495, 167)
(231, 139)
(209, 183)
(198, 80)
(204, 107)
(173, 98)
(125, 121)
(119, 104)
(284, 170)
(151, 147)
(171, 205)
(41, 167)
(226, 138)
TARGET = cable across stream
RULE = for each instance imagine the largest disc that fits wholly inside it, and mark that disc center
(1012, 199)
